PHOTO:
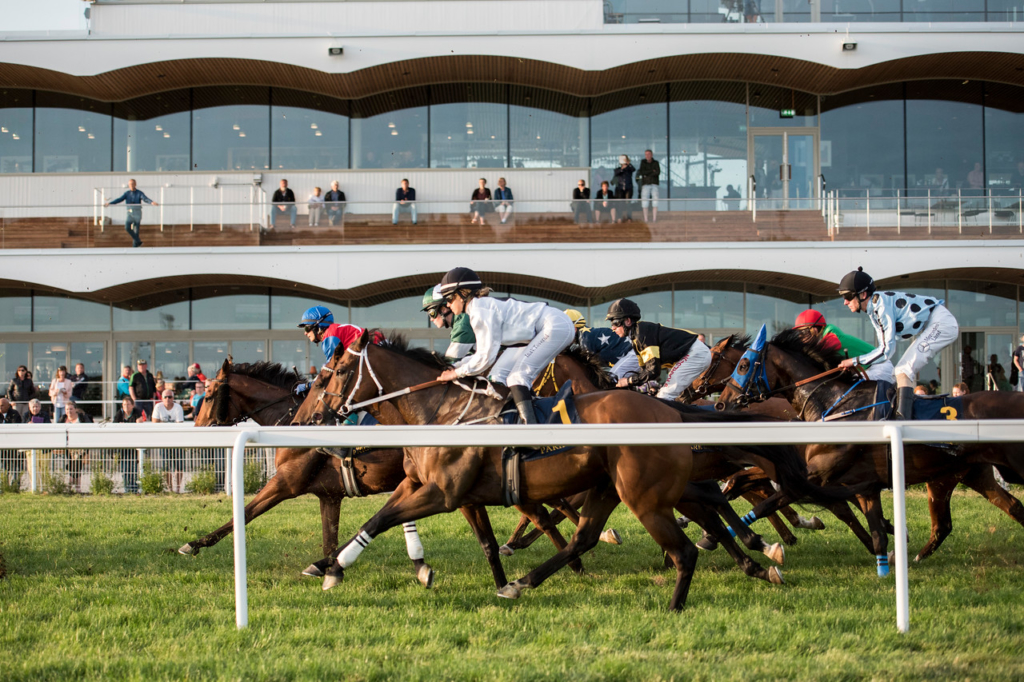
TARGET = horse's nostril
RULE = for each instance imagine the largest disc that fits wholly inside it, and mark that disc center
(720, 406)
(318, 417)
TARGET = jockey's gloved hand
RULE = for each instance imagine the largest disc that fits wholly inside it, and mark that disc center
(301, 389)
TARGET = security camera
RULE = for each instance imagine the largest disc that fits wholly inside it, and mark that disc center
(335, 51)
(849, 47)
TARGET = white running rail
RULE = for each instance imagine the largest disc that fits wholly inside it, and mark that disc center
(167, 435)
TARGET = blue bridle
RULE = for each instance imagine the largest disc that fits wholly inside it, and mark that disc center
(755, 379)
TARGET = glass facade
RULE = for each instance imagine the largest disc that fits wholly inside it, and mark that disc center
(862, 141)
(390, 130)
(945, 143)
(308, 131)
(230, 308)
(628, 123)
(15, 131)
(152, 133)
(708, 141)
(231, 128)
(72, 134)
(468, 126)
(548, 129)
(800, 11)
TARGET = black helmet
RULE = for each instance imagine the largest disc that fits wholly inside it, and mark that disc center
(459, 278)
(623, 308)
(857, 282)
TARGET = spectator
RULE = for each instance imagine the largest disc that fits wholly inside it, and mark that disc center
(702, 339)
(480, 202)
(123, 382)
(76, 458)
(581, 203)
(335, 200)
(8, 415)
(933, 387)
(80, 382)
(920, 390)
(73, 415)
(732, 198)
(960, 389)
(751, 11)
(199, 372)
(142, 388)
(1018, 364)
(197, 398)
(60, 392)
(128, 460)
(623, 177)
(503, 201)
(21, 389)
(405, 202)
(168, 411)
(192, 380)
(969, 368)
(995, 375)
(316, 206)
(604, 195)
(649, 178)
(160, 385)
(35, 413)
(976, 178)
(941, 183)
(284, 202)
(133, 199)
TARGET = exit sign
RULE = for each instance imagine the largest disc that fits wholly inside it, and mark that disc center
(787, 113)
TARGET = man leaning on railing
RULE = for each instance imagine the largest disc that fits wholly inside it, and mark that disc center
(133, 198)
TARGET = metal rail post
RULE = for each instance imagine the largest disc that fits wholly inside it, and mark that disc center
(898, 212)
(899, 519)
(867, 205)
(238, 518)
(928, 210)
(161, 209)
(227, 471)
(989, 211)
(959, 212)
(33, 470)
(191, 208)
(142, 469)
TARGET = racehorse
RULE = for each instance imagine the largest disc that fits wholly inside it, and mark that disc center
(650, 480)
(793, 356)
(264, 393)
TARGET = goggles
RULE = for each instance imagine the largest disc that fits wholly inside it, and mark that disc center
(849, 296)
(617, 322)
(432, 313)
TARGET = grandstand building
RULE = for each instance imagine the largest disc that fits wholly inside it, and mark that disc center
(796, 140)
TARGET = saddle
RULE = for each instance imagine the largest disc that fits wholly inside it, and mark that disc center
(559, 409)
(349, 455)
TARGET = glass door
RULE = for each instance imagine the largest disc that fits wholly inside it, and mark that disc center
(784, 164)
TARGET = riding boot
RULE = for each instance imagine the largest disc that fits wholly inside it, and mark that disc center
(521, 395)
(905, 402)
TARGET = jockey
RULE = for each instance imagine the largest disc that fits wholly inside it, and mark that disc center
(836, 340)
(897, 315)
(441, 316)
(656, 347)
(546, 331)
(605, 344)
(318, 325)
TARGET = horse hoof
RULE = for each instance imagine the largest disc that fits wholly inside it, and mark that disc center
(426, 576)
(776, 553)
(611, 536)
(707, 543)
(816, 524)
(334, 575)
(188, 550)
(682, 522)
(313, 571)
(505, 550)
(775, 576)
(510, 591)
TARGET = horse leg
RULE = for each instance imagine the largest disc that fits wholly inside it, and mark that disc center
(755, 497)
(982, 479)
(940, 491)
(872, 506)
(480, 522)
(563, 509)
(542, 520)
(597, 507)
(330, 513)
(843, 512)
(663, 528)
(710, 522)
(281, 487)
(797, 521)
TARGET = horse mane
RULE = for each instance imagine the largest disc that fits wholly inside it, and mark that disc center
(812, 346)
(221, 400)
(595, 368)
(268, 372)
(399, 344)
(739, 342)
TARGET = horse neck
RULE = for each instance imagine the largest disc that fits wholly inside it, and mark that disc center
(395, 372)
(576, 373)
(253, 396)
(790, 368)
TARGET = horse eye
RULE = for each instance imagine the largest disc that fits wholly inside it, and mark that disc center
(744, 366)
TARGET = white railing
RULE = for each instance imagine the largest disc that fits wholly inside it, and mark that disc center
(238, 438)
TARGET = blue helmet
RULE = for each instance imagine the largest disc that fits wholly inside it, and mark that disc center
(318, 315)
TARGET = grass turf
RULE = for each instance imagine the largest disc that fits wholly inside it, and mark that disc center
(97, 590)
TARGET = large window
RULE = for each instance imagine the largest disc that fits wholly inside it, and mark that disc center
(719, 306)
(230, 308)
(708, 146)
(164, 311)
(63, 313)
(390, 130)
(548, 129)
(152, 133)
(1004, 140)
(15, 131)
(468, 126)
(862, 141)
(72, 134)
(944, 10)
(230, 128)
(775, 308)
(396, 314)
(768, 102)
(308, 131)
(627, 123)
(944, 137)
(15, 310)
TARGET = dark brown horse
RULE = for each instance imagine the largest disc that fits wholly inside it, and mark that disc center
(263, 392)
(650, 480)
(793, 356)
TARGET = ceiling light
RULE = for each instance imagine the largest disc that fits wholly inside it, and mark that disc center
(159, 128)
(167, 134)
(469, 132)
(3, 130)
(312, 126)
(449, 137)
(469, 125)
(623, 137)
(394, 132)
(91, 136)
(81, 129)
(241, 134)
(318, 133)
(492, 137)
(538, 137)
(236, 127)
(15, 137)
(391, 125)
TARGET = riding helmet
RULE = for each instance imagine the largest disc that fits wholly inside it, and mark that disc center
(623, 308)
(809, 318)
(857, 282)
(457, 279)
(577, 318)
(432, 299)
(318, 316)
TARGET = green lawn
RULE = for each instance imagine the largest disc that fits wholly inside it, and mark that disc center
(96, 590)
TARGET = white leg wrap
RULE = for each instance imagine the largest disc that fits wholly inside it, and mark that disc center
(412, 541)
(353, 549)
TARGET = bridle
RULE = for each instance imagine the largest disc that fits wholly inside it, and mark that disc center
(704, 388)
(243, 416)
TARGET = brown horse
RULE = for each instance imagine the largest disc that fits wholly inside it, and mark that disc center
(264, 393)
(650, 480)
(793, 356)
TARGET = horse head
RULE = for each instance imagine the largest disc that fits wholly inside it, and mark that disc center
(724, 357)
(749, 379)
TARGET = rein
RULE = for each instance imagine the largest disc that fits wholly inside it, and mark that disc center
(256, 410)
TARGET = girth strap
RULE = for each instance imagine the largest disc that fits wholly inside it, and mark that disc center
(510, 476)
(348, 475)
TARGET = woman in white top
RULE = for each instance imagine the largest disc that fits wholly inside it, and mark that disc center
(60, 392)
(546, 331)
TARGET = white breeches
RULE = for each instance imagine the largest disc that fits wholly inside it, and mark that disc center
(941, 330)
(682, 374)
(554, 333)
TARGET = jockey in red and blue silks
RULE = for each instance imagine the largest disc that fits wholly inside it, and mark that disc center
(320, 328)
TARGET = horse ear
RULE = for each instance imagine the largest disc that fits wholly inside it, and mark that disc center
(226, 367)
(724, 343)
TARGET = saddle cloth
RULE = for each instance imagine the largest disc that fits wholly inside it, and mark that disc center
(559, 409)
(926, 407)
